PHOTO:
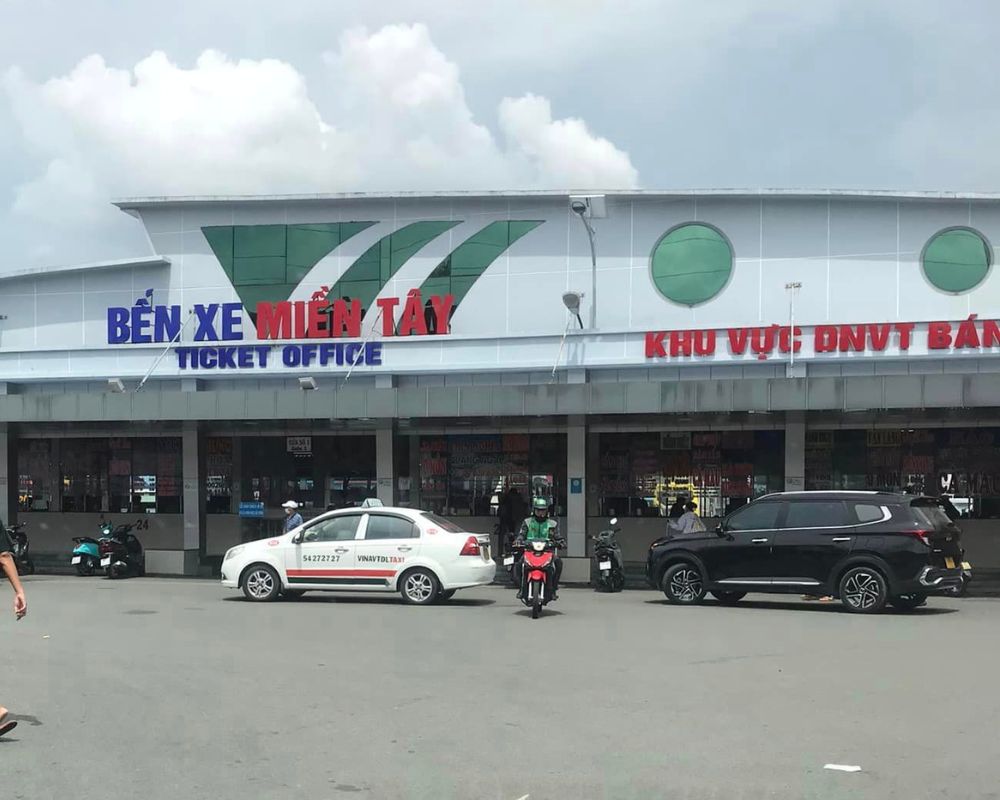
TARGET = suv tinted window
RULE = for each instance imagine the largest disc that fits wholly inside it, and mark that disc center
(754, 517)
(335, 529)
(816, 514)
(382, 526)
(866, 512)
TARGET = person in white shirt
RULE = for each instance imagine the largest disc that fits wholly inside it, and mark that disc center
(689, 521)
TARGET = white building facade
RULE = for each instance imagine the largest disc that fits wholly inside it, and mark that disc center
(439, 350)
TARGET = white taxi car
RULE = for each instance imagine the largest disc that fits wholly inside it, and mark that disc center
(422, 556)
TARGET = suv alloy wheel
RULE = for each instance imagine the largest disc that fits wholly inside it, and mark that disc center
(683, 584)
(863, 590)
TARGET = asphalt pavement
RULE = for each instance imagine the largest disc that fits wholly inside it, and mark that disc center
(159, 688)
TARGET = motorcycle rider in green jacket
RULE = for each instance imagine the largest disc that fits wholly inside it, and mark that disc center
(538, 527)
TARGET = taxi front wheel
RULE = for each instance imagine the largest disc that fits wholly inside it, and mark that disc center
(261, 583)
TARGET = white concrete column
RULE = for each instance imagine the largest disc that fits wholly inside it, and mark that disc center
(384, 465)
(576, 477)
(795, 451)
(8, 476)
(194, 497)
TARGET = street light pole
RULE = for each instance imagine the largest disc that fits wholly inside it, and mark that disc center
(580, 208)
(791, 288)
(593, 275)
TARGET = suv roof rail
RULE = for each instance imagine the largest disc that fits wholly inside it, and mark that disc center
(833, 491)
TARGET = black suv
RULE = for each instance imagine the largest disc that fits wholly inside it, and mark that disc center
(867, 548)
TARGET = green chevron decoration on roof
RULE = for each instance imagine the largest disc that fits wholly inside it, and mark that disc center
(467, 262)
(266, 262)
(366, 277)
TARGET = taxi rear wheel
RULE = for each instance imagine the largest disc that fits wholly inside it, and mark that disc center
(419, 587)
(261, 583)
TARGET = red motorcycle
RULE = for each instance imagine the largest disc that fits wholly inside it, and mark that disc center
(537, 571)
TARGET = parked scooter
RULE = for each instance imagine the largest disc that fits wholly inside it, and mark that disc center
(608, 559)
(538, 572)
(87, 553)
(121, 553)
(25, 566)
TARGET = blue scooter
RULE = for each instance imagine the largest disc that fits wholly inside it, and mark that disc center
(87, 553)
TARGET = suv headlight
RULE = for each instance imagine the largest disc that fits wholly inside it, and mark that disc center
(233, 551)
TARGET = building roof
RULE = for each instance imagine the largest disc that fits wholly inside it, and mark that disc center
(94, 266)
(134, 203)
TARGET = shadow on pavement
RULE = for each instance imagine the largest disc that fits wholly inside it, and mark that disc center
(34, 722)
(805, 605)
(386, 599)
(526, 612)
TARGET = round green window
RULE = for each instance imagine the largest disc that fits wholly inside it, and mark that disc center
(691, 263)
(957, 259)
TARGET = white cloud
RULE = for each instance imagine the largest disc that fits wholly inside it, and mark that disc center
(238, 126)
(397, 119)
(563, 152)
(403, 106)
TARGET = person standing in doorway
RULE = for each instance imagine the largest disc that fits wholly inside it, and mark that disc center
(517, 509)
(20, 604)
(512, 511)
(292, 516)
(503, 512)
